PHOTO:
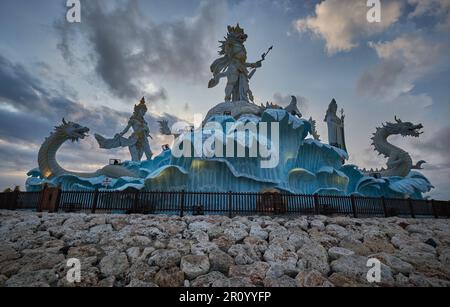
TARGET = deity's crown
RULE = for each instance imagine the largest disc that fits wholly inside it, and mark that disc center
(141, 105)
(235, 30)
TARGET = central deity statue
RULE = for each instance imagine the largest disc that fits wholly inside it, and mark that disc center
(137, 143)
(233, 65)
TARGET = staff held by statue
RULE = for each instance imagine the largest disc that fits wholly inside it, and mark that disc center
(258, 64)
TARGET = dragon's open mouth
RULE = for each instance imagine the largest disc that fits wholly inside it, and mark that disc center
(415, 131)
(80, 133)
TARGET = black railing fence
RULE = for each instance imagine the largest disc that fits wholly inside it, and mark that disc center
(220, 203)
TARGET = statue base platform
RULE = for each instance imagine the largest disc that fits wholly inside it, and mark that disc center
(236, 109)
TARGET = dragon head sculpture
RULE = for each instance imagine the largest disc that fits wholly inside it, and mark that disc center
(403, 128)
(72, 131)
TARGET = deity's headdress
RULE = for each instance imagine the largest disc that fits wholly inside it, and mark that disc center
(141, 105)
(332, 109)
(235, 30)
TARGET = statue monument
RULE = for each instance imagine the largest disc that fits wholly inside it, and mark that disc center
(137, 143)
(336, 134)
(233, 65)
(305, 165)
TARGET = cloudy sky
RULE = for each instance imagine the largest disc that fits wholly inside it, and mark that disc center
(95, 71)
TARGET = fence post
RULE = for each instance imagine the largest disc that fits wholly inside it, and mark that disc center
(182, 203)
(355, 212)
(15, 198)
(230, 208)
(136, 202)
(448, 209)
(95, 201)
(58, 199)
(383, 202)
(41, 198)
(433, 207)
(410, 203)
(316, 204)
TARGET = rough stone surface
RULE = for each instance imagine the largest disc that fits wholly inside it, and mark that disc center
(234, 282)
(283, 281)
(172, 277)
(312, 278)
(256, 272)
(216, 251)
(220, 261)
(313, 256)
(195, 265)
(114, 264)
(165, 258)
(338, 252)
(136, 283)
(206, 281)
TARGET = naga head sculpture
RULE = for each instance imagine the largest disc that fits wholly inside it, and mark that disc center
(404, 128)
(72, 131)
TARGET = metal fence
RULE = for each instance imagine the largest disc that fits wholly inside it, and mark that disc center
(220, 203)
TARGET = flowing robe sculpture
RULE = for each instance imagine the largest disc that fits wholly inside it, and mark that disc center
(137, 143)
(233, 65)
(336, 135)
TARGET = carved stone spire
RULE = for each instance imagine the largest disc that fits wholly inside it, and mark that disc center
(336, 134)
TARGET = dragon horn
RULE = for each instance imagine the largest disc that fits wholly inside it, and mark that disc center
(398, 120)
(64, 121)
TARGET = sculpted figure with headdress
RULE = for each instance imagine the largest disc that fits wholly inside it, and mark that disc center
(137, 143)
(233, 66)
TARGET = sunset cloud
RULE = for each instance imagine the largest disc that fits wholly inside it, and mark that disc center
(342, 23)
(130, 50)
(403, 62)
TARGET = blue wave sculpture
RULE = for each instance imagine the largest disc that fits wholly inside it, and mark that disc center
(306, 166)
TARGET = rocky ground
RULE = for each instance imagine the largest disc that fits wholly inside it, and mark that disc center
(150, 251)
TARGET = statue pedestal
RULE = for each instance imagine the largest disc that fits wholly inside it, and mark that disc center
(235, 109)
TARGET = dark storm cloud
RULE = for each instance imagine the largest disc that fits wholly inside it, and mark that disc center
(380, 81)
(17, 85)
(13, 157)
(28, 113)
(38, 109)
(22, 126)
(403, 62)
(436, 151)
(438, 144)
(129, 50)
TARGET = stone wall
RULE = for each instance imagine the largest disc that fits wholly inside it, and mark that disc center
(150, 251)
